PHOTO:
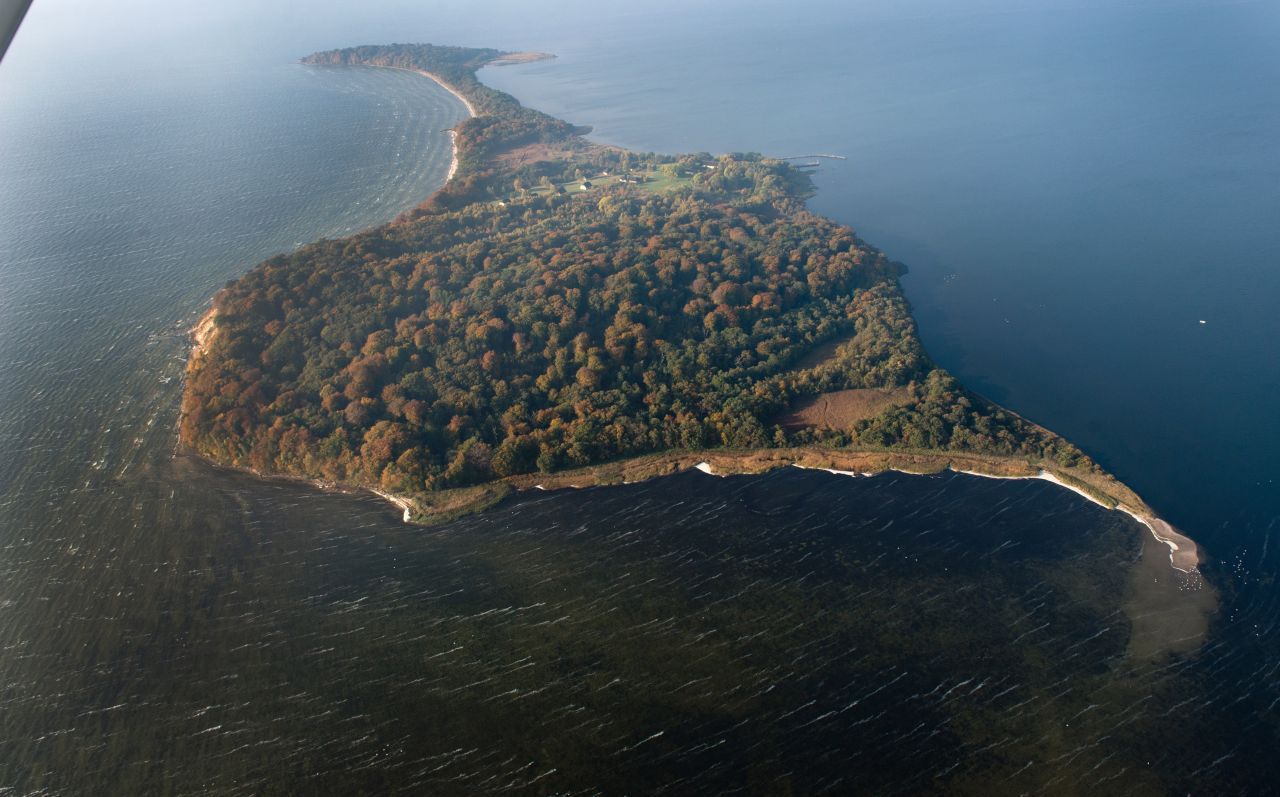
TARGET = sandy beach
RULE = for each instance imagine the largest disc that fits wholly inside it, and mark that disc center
(201, 334)
(470, 108)
(398, 501)
(453, 136)
(1184, 555)
(453, 164)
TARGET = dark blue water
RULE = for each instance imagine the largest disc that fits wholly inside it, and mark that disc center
(1073, 187)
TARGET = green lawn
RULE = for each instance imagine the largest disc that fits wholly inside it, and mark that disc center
(661, 183)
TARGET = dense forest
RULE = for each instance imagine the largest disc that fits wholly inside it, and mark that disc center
(496, 331)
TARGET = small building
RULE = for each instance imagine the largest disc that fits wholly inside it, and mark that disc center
(586, 184)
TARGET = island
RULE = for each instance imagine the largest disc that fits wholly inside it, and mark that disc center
(564, 313)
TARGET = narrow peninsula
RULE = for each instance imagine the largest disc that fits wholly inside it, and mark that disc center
(563, 313)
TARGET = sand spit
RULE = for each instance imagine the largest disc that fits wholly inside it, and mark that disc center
(1184, 555)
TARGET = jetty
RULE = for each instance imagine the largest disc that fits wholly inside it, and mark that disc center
(819, 155)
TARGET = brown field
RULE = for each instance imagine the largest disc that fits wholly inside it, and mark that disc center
(841, 408)
(821, 355)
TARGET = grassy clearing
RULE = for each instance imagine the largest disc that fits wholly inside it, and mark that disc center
(840, 409)
(655, 182)
(660, 183)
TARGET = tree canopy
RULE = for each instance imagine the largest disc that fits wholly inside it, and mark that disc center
(494, 331)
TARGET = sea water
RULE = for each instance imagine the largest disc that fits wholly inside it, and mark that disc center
(168, 626)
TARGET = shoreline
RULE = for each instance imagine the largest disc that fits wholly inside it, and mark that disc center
(453, 134)
(203, 331)
(1184, 553)
(453, 164)
(446, 504)
(399, 502)
(439, 80)
(202, 334)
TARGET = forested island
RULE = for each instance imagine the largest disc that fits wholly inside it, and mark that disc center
(566, 313)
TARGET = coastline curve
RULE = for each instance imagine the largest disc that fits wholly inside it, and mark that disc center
(1040, 455)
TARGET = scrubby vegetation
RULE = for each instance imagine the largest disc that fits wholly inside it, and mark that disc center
(498, 331)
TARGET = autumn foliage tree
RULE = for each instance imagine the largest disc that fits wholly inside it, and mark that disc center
(478, 339)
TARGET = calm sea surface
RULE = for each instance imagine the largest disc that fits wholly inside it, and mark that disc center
(1075, 187)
